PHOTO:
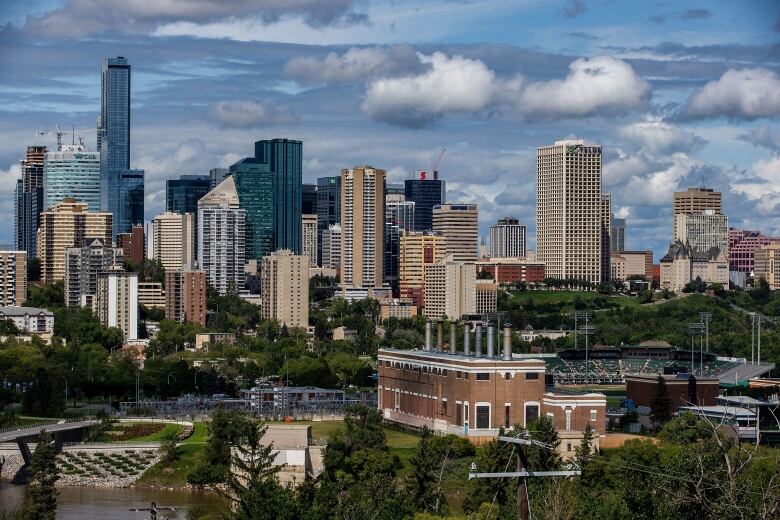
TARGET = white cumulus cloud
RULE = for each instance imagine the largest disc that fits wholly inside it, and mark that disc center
(657, 137)
(250, 114)
(737, 94)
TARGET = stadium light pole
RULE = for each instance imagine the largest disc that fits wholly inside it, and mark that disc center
(588, 331)
(706, 317)
(752, 338)
(579, 315)
(693, 330)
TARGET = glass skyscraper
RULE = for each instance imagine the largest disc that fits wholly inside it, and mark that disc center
(182, 194)
(72, 173)
(254, 185)
(28, 203)
(284, 157)
(309, 199)
(121, 189)
(328, 208)
(425, 193)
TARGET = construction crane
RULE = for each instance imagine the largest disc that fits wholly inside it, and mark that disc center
(434, 168)
(60, 132)
(54, 131)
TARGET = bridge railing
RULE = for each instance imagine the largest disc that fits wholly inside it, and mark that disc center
(40, 425)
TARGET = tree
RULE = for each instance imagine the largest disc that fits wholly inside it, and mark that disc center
(424, 484)
(41, 503)
(33, 269)
(661, 407)
(497, 456)
(584, 451)
(542, 429)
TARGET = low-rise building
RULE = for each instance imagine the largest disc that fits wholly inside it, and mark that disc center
(29, 320)
(203, 339)
(529, 334)
(397, 308)
(767, 265)
(683, 264)
(682, 389)
(512, 270)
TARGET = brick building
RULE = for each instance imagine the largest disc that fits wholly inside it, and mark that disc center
(512, 270)
(474, 392)
(683, 389)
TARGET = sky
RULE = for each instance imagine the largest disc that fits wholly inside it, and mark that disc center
(678, 93)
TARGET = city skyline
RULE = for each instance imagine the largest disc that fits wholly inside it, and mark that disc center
(675, 115)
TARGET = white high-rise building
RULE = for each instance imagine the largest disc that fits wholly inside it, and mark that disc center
(458, 223)
(450, 289)
(309, 237)
(507, 239)
(174, 240)
(284, 279)
(362, 226)
(72, 173)
(331, 247)
(570, 222)
(221, 238)
(116, 301)
(702, 230)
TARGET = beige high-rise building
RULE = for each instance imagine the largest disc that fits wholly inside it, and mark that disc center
(116, 301)
(174, 240)
(309, 238)
(457, 223)
(331, 247)
(416, 250)
(284, 279)
(570, 211)
(695, 200)
(450, 289)
(13, 278)
(362, 226)
(767, 265)
(606, 236)
(66, 225)
(185, 296)
(151, 295)
(702, 230)
(486, 297)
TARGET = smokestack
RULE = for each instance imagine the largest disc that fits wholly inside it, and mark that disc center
(478, 340)
(428, 336)
(491, 340)
(467, 339)
(439, 335)
(507, 342)
(453, 338)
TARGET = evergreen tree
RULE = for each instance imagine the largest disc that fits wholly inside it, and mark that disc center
(583, 452)
(41, 503)
(542, 429)
(661, 407)
(497, 456)
(423, 485)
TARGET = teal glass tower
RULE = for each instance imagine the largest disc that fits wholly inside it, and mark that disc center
(284, 157)
(254, 185)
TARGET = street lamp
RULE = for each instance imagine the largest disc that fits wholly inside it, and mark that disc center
(693, 330)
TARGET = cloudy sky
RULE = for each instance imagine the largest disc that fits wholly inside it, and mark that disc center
(678, 93)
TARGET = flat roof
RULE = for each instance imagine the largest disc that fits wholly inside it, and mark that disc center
(438, 355)
(720, 410)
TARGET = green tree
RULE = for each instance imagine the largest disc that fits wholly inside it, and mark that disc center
(661, 407)
(584, 452)
(424, 483)
(496, 456)
(542, 429)
(41, 502)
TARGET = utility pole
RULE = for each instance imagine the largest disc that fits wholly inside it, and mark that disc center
(758, 344)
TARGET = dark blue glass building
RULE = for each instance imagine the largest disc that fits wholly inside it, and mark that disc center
(328, 207)
(254, 185)
(309, 199)
(284, 158)
(182, 194)
(425, 193)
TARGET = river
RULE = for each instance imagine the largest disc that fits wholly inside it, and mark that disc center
(93, 503)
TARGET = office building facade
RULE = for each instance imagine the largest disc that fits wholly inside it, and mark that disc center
(217, 175)
(695, 200)
(254, 185)
(308, 199)
(83, 264)
(182, 194)
(362, 226)
(426, 193)
(767, 265)
(284, 278)
(742, 248)
(68, 224)
(221, 238)
(417, 249)
(570, 211)
(507, 239)
(28, 202)
(449, 289)
(174, 240)
(457, 223)
(399, 219)
(284, 158)
(702, 230)
(331, 247)
(618, 235)
(13, 278)
(309, 237)
(72, 173)
(328, 206)
(185, 296)
(116, 301)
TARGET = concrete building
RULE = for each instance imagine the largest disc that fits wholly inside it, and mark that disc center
(512, 270)
(67, 225)
(473, 391)
(13, 278)
(457, 223)
(116, 301)
(742, 247)
(221, 238)
(767, 265)
(83, 264)
(331, 247)
(309, 237)
(399, 218)
(606, 236)
(570, 210)
(702, 230)
(29, 320)
(449, 289)
(486, 297)
(328, 208)
(28, 202)
(285, 288)
(618, 235)
(72, 173)
(362, 226)
(628, 264)
(174, 240)
(185, 296)
(397, 308)
(682, 264)
(507, 239)
(151, 295)
(695, 200)
(417, 250)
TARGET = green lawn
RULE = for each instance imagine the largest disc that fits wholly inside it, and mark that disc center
(170, 431)
(175, 475)
(566, 298)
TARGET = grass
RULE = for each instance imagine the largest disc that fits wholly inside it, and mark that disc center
(566, 298)
(170, 431)
(175, 475)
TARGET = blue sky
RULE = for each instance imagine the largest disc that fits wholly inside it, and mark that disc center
(677, 93)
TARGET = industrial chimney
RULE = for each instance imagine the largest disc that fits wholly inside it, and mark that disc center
(428, 336)
(467, 339)
(507, 342)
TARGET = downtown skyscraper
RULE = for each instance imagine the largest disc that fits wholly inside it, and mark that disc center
(28, 202)
(121, 189)
(362, 226)
(426, 193)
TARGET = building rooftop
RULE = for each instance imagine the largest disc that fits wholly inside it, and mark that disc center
(439, 355)
(22, 311)
(726, 411)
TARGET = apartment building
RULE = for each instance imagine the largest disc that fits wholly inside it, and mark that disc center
(284, 279)
(457, 223)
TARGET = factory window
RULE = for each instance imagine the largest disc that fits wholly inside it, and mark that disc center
(483, 416)
(483, 376)
(507, 376)
(507, 409)
(444, 407)
(531, 375)
(458, 374)
(458, 415)
(593, 415)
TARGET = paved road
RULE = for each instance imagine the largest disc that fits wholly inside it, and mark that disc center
(13, 435)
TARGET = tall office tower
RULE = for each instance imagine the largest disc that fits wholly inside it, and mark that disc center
(702, 230)
(695, 200)
(182, 194)
(331, 247)
(284, 160)
(394, 189)
(174, 240)
(13, 278)
(417, 250)
(116, 301)
(457, 223)
(362, 226)
(217, 175)
(82, 266)
(28, 202)
(309, 237)
(308, 199)
(284, 279)
(742, 248)
(67, 225)
(569, 209)
(121, 189)
(133, 245)
(254, 185)
(185, 296)
(74, 173)
(450, 289)
(328, 208)
(426, 194)
(221, 238)
(606, 237)
(618, 235)
(508, 239)
(399, 218)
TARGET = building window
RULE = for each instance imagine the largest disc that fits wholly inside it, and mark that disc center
(568, 446)
(458, 415)
(531, 413)
(531, 376)
(483, 416)
(466, 414)
(444, 407)
(507, 376)
(458, 374)
(483, 376)
(568, 420)
(593, 415)
(507, 409)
